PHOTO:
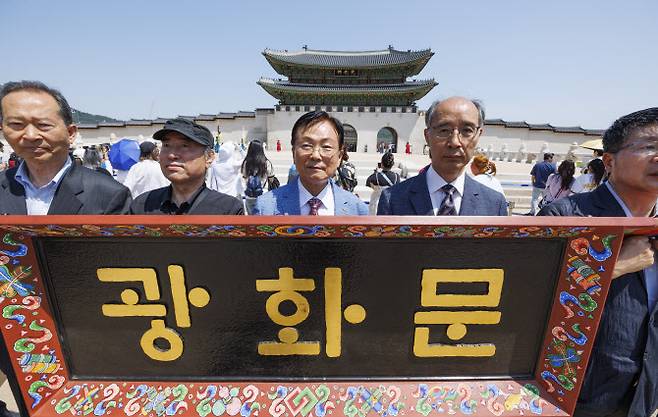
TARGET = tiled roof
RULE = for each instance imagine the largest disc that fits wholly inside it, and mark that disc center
(568, 129)
(543, 126)
(160, 120)
(252, 114)
(350, 59)
(408, 86)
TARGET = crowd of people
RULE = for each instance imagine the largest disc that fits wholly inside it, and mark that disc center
(182, 178)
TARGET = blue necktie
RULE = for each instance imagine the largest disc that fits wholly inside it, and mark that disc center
(448, 204)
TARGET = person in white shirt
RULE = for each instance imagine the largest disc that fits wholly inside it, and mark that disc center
(591, 178)
(224, 174)
(146, 175)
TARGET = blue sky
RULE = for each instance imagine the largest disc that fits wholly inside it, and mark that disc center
(560, 62)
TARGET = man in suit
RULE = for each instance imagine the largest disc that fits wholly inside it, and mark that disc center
(622, 375)
(38, 124)
(187, 153)
(317, 149)
(453, 129)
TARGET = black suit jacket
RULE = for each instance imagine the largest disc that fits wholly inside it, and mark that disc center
(412, 197)
(623, 367)
(81, 191)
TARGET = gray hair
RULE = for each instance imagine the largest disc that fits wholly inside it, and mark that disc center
(65, 111)
(477, 103)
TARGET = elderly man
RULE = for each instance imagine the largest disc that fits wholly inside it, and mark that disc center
(622, 376)
(317, 149)
(38, 124)
(453, 130)
(187, 152)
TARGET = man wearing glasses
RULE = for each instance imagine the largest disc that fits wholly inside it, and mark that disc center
(622, 375)
(317, 149)
(453, 129)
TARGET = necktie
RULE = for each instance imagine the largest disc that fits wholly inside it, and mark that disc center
(448, 204)
(314, 204)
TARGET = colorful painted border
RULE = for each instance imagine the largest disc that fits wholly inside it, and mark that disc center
(30, 333)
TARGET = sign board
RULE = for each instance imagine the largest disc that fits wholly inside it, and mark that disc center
(200, 315)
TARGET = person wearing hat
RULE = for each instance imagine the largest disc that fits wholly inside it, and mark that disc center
(187, 152)
(145, 175)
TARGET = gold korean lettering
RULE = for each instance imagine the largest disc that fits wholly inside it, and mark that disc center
(198, 297)
(457, 320)
(288, 288)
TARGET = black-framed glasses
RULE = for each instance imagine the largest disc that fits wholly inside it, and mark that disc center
(445, 132)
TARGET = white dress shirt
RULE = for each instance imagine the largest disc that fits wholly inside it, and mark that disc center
(434, 184)
(38, 199)
(145, 176)
(327, 208)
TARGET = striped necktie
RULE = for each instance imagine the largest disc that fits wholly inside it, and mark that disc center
(448, 204)
(314, 204)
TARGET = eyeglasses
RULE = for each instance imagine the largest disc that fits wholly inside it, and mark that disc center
(323, 150)
(642, 148)
(445, 132)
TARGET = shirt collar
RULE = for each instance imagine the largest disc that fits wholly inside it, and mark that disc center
(435, 181)
(168, 205)
(305, 195)
(627, 211)
(23, 177)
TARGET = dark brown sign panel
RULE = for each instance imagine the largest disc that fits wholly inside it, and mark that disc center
(286, 317)
(262, 291)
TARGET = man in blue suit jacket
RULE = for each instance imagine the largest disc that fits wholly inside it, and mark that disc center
(317, 149)
(622, 375)
(453, 130)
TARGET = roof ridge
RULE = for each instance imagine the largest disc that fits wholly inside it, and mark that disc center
(387, 51)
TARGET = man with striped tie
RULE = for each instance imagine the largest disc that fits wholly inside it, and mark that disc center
(453, 129)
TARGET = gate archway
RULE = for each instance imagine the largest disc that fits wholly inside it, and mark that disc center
(351, 138)
(387, 139)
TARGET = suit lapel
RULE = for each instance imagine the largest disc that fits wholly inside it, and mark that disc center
(13, 195)
(419, 195)
(341, 205)
(606, 203)
(288, 202)
(66, 199)
(469, 199)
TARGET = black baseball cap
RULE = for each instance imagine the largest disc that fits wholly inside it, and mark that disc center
(189, 129)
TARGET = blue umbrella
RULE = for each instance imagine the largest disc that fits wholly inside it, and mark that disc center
(124, 154)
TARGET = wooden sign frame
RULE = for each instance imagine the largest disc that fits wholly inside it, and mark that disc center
(41, 381)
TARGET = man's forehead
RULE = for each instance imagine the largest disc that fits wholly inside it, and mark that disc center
(456, 109)
(36, 103)
(322, 129)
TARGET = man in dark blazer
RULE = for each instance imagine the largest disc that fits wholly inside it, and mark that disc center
(622, 375)
(38, 124)
(454, 127)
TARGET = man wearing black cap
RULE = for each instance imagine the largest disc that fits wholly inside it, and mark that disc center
(185, 156)
(145, 175)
